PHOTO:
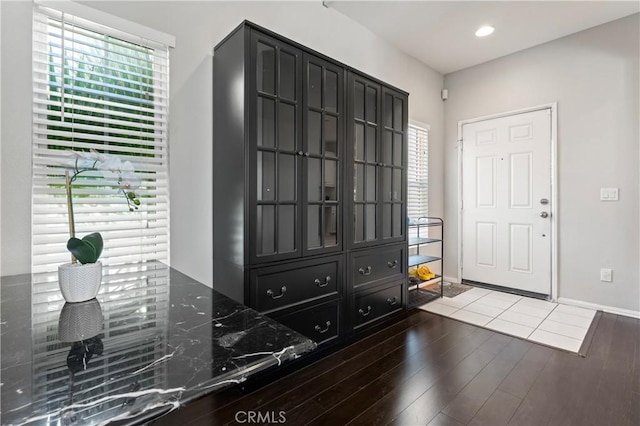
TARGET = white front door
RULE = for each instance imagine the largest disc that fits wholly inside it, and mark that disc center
(506, 193)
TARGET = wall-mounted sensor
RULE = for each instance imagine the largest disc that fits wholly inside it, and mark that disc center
(444, 94)
(608, 194)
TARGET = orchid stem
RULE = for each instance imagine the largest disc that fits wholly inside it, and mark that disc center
(72, 225)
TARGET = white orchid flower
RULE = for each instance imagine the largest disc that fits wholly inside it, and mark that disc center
(120, 174)
(82, 160)
(128, 179)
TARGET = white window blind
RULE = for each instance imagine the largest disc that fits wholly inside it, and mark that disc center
(418, 173)
(98, 88)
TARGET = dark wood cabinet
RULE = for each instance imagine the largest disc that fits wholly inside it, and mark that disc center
(309, 180)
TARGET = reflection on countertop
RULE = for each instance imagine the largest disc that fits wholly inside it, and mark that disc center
(153, 340)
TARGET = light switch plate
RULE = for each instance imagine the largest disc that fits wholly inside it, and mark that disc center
(606, 275)
(608, 194)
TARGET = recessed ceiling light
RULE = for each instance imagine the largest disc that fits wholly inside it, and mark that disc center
(484, 31)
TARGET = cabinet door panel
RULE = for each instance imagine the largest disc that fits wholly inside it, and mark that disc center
(358, 100)
(358, 146)
(394, 166)
(265, 67)
(314, 226)
(287, 177)
(387, 193)
(378, 138)
(358, 223)
(372, 104)
(371, 184)
(331, 180)
(330, 148)
(398, 150)
(275, 138)
(387, 224)
(364, 152)
(371, 144)
(387, 147)
(287, 127)
(322, 155)
(331, 226)
(314, 179)
(288, 76)
(314, 133)
(265, 238)
(371, 222)
(314, 85)
(266, 123)
(286, 228)
(332, 94)
(266, 176)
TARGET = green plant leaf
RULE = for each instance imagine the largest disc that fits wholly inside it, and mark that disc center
(95, 240)
(87, 250)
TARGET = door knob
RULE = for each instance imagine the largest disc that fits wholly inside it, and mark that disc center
(544, 215)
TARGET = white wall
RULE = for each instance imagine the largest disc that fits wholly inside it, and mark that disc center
(593, 75)
(15, 139)
(198, 27)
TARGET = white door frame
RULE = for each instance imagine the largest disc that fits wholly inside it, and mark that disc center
(554, 186)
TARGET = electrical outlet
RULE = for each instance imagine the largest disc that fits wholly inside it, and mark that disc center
(606, 275)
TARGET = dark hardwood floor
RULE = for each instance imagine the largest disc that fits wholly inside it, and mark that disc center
(431, 370)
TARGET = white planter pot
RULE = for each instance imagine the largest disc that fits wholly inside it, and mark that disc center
(79, 283)
(80, 321)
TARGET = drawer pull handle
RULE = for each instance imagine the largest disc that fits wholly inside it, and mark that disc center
(363, 313)
(272, 295)
(392, 301)
(320, 330)
(392, 264)
(322, 284)
(365, 271)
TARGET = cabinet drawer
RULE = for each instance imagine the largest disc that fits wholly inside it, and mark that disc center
(370, 306)
(377, 264)
(318, 323)
(280, 286)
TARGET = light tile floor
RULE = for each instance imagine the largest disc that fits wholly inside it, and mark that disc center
(552, 324)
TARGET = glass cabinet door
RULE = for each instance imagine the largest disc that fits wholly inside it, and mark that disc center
(275, 224)
(365, 152)
(393, 164)
(322, 158)
(378, 140)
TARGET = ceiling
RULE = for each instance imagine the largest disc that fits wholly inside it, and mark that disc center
(441, 34)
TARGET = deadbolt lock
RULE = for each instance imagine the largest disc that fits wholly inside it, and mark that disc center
(544, 201)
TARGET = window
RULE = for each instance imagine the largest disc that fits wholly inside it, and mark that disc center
(418, 173)
(98, 88)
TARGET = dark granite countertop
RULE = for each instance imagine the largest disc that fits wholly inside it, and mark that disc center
(152, 341)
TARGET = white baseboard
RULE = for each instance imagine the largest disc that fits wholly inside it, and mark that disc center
(597, 307)
(452, 280)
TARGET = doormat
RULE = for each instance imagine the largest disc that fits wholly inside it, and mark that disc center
(454, 289)
(449, 290)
